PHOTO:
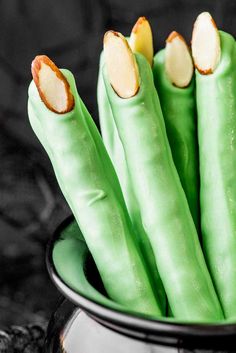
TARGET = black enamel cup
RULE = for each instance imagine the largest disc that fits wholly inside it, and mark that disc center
(96, 324)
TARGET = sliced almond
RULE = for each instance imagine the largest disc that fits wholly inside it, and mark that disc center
(206, 49)
(121, 65)
(52, 85)
(178, 60)
(141, 40)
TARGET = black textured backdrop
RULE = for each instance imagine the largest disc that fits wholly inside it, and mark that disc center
(31, 205)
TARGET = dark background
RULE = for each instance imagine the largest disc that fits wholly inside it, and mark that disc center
(31, 205)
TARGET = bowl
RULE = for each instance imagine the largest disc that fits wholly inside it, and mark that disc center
(83, 287)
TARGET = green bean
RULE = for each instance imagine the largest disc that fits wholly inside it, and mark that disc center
(163, 204)
(101, 216)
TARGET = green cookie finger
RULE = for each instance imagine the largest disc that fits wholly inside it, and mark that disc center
(116, 152)
(163, 204)
(216, 105)
(103, 220)
(179, 111)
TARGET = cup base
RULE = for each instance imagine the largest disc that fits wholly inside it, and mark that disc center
(71, 330)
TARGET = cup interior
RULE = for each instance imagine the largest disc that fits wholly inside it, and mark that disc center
(74, 272)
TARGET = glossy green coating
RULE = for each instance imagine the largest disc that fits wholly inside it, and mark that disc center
(70, 253)
(216, 104)
(179, 111)
(114, 146)
(164, 209)
(107, 124)
(100, 213)
(101, 149)
(115, 150)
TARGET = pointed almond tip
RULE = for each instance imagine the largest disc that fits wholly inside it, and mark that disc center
(178, 60)
(141, 40)
(140, 22)
(173, 35)
(53, 87)
(109, 34)
(121, 65)
(206, 48)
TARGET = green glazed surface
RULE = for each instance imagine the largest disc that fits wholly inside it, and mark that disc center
(69, 254)
(69, 258)
(179, 111)
(164, 209)
(216, 104)
(115, 150)
(92, 197)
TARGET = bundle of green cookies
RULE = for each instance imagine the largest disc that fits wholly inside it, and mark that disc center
(155, 198)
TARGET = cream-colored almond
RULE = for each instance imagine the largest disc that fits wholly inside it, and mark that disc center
(121, 65)
(178, 60)
(206, 49)
(52, 85)
(141, 40)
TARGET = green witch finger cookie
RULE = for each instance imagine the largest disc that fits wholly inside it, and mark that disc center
(112, 142)
(173, 71)
(214, 54)
(118, 159)
(116, 152)
(61, 122)
(164, 209)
